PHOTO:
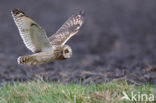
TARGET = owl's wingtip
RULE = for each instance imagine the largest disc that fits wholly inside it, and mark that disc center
(82, 12)
(17, 11)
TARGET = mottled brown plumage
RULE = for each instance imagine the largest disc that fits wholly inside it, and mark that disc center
(46, 49)
(68, 29)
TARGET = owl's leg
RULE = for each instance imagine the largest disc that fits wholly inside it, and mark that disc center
(34, 63)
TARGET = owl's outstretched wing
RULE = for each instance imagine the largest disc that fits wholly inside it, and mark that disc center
(34, 37)
(68, 29)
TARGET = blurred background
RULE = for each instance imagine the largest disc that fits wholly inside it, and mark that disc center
(117, 41)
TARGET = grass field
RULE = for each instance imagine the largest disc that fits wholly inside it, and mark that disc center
(49, 92)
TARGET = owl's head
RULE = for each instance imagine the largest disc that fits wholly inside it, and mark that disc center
(67, 52)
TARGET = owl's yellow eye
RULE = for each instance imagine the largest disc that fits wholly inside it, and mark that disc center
(66, 51)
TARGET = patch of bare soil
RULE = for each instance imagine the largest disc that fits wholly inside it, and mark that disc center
(117, 41)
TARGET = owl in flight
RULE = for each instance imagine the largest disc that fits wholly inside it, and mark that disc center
(46, 49)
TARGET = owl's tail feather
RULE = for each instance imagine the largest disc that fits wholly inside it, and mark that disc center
(27, 60)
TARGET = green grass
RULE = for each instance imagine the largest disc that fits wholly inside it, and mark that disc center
(48, 92)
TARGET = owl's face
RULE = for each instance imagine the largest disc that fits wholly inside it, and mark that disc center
(62, 52)
(67, 52)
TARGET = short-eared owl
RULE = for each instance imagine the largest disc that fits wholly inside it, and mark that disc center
(46, 49)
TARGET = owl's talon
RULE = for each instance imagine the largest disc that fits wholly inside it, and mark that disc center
(34, 63)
